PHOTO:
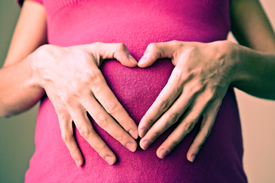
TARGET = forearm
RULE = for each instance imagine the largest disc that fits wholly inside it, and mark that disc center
(255, 72)
(19, 90)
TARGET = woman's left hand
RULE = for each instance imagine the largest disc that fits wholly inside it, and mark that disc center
(195, 89)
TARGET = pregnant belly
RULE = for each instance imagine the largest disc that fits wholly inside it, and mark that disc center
(137, 88)
(220, 159)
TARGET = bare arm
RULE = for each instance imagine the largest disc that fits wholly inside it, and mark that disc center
(255, 74)
(202, 75)
(18, 90)
(73, 87)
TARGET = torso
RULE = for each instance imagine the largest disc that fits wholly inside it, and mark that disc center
(137, 23)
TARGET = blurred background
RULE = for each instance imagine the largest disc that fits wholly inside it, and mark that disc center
(257, 116)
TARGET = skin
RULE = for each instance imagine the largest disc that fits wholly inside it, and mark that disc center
(73, 88)
(198, 83)
(202, 75)
(84, 89)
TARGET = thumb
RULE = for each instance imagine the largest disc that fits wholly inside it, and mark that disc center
(156, 51)
(103, 51)
(123, 55)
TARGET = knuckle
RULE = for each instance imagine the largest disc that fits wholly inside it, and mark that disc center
(97, 85)
(97, 44)
(153, 47)
(61, 115)
(178, 75)
(66, 137)
(75, 90)
(173, 117)
(84, 132)
(121, 47)
(87, 78)
(65, 98)
(176, 43)
(124, 122)
(45, 49)
(163, 105)
(198, 86)
(188, 126)
(101, 120)
(94, 77)
(111, 107)
(100, 149)
(119, 138)
(211, 94)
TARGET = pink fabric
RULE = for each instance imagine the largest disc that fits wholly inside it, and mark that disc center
(137, 23)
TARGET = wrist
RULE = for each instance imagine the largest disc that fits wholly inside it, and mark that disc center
(232, 56)
(241, 58)
(228, 54)
(35, 62)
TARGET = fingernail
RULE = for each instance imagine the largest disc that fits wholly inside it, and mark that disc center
(109, 160)
(78, 163)
(163, 153)
(143, 131)
(192, 158)
(142, 60)
(146, 144)
(131, 146)
(133, 133)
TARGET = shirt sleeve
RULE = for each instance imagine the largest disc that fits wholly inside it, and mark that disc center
(20, 2)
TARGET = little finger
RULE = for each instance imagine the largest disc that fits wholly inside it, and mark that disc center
(186, 125)
(66, 128)
(209, 118)
(86, 130)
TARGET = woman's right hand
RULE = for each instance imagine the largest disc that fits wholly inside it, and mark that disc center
(75, 85)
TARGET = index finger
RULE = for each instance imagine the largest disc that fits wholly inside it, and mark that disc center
(86, 130)
(166, 98)
(103, 51)
(156, 51)
(108, 100)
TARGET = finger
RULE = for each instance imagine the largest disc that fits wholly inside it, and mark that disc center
(170, 117)
(103, 51)
(106, 122)
(206, 127)
(65, 122)
(167, 96)
(66, 128)
(155, 51)
(123, 56)
(108, 100)
(86, 130)
(186, 125)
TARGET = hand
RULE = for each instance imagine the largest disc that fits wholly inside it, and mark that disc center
(74, 84)
(195, 89)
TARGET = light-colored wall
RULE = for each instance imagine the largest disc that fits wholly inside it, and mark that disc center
(257, 115)
(258, 124)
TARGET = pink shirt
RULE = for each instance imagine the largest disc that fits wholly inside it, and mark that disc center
(137, 23)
